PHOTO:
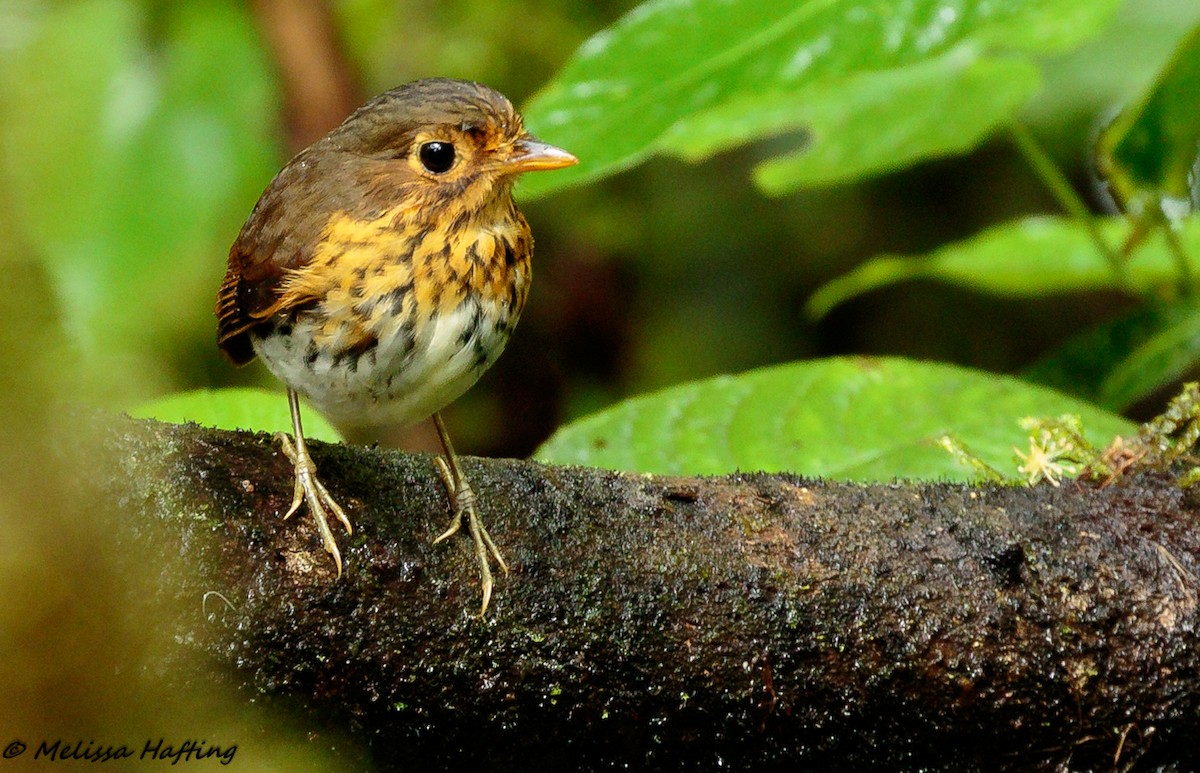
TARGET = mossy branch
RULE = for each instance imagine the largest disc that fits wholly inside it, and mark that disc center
(754, 621)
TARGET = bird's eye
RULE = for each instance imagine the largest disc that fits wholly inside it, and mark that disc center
(437, 157)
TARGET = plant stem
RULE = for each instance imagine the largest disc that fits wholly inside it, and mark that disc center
(1181, 259)
(1060, 188)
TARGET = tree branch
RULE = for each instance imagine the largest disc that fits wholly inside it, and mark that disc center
(754, 621)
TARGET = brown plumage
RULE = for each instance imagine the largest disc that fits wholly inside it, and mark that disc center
(384, 268)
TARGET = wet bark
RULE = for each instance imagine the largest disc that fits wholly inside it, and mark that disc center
(751, 621)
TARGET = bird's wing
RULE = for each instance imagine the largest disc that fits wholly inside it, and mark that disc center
(279, 237)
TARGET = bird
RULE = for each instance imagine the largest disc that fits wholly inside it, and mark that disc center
(382, 271)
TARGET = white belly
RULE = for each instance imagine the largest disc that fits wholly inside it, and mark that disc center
(404, 378)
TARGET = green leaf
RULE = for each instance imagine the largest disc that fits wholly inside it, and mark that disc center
(1148, 152)
(241, 408)
(1033, 257)
(850, 418)
(1081, 366)
(872, 86)
(866, 123)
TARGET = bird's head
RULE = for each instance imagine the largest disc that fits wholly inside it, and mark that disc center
(442, 142)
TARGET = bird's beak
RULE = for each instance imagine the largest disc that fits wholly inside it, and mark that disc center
(530, 155)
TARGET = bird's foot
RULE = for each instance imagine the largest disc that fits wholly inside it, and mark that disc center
(462, 501)
(308, 489)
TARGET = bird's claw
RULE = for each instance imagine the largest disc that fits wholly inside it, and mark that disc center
(462, 501)
(308, 489)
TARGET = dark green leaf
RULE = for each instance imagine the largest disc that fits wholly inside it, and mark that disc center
(1081, 365)
(1162, 359)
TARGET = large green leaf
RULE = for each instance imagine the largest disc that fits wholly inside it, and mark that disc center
(130, 161)
(871, 85)
(850, 418)
(241, 408)
(1032, 257)
(868, 122)
(1148, 152)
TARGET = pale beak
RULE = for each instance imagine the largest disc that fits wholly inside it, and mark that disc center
(530, 155)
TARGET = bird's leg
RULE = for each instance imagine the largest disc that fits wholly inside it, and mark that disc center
(307, 488)
(462, 501)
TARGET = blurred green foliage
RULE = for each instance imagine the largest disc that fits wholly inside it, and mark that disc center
(133, 137)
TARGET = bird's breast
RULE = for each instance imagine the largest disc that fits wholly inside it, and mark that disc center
(401, 321)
